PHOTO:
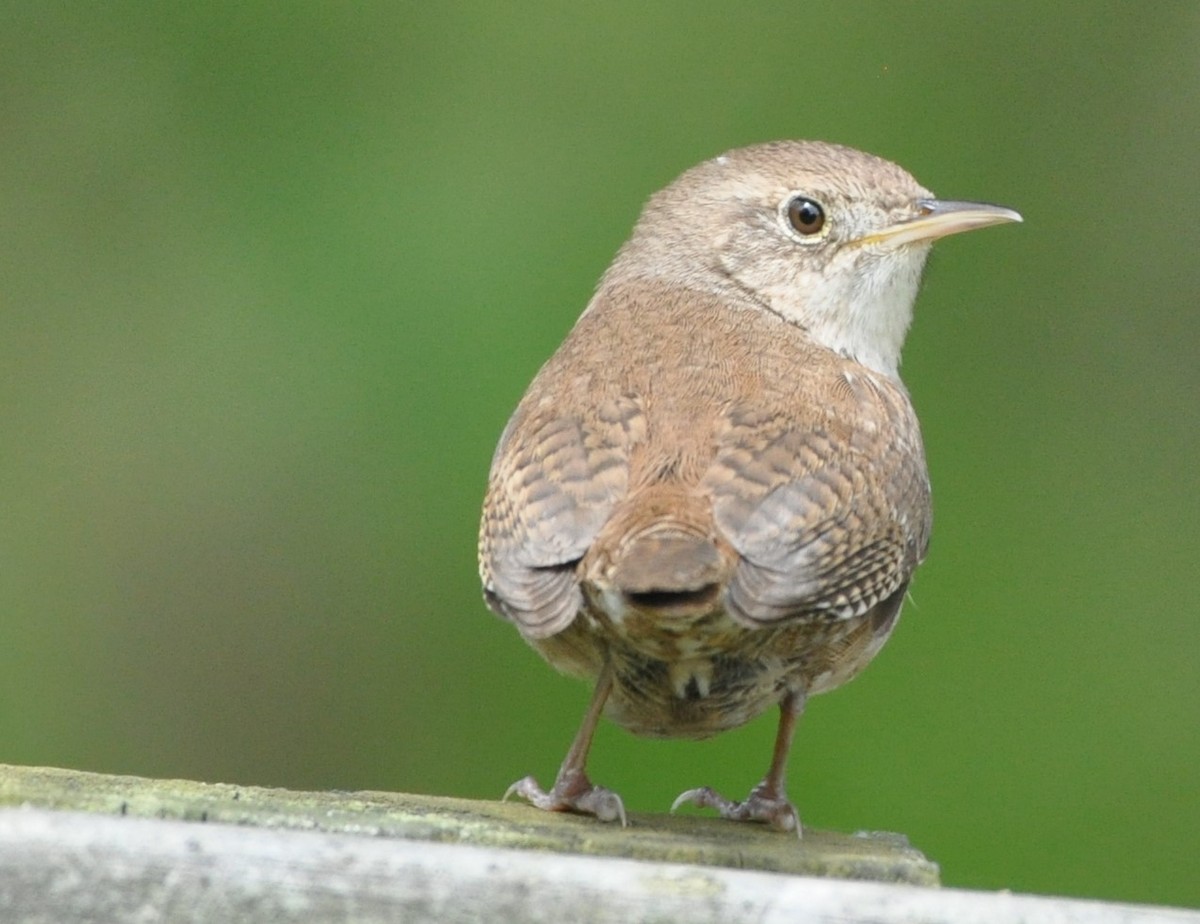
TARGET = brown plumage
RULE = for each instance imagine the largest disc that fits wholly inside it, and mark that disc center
(712, 498)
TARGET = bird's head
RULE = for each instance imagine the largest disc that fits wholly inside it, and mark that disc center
(827, 237)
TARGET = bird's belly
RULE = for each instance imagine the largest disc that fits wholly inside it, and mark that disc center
(712, 681)
(692, 698)
(695, 677)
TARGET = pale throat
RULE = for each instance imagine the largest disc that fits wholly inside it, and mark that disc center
(862, 312)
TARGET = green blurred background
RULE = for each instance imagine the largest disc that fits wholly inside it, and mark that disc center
(273, 275)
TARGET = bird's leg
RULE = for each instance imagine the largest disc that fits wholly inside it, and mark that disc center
(572, 790)
(768, 800)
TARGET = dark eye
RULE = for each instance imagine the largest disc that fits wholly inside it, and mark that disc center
(806, 215)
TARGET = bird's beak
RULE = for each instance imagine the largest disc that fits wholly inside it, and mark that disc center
(939, 217)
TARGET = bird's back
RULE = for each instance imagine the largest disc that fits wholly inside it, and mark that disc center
(723, 512)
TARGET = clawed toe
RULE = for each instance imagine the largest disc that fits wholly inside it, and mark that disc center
(572, 792)
(705, 797)
(761, 805)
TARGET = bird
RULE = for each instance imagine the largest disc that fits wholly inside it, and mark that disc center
(712, 498)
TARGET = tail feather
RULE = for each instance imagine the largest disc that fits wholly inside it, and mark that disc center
(666, 560)
(660, 554)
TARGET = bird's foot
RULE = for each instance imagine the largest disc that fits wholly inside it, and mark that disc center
(572, 792)
(762, 804)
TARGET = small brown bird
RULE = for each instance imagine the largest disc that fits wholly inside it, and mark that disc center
(712, 498)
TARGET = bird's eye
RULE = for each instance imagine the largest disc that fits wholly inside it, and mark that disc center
(805, 215)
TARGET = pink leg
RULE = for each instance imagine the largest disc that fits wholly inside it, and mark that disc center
(768, 800)
(572, 790)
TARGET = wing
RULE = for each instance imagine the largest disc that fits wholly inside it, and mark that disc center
(555, 479)
(830, 513)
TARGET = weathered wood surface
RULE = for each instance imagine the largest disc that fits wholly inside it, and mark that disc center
(675, 839)
(69, 867)
(72, 849)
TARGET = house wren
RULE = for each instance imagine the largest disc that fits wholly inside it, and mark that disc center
(713, 496)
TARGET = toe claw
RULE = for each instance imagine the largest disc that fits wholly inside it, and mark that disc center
(604, 804)
(683, 798)
(775, 811)
(527, 788)
(704, 797)
(572, 793)
(785, 818)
